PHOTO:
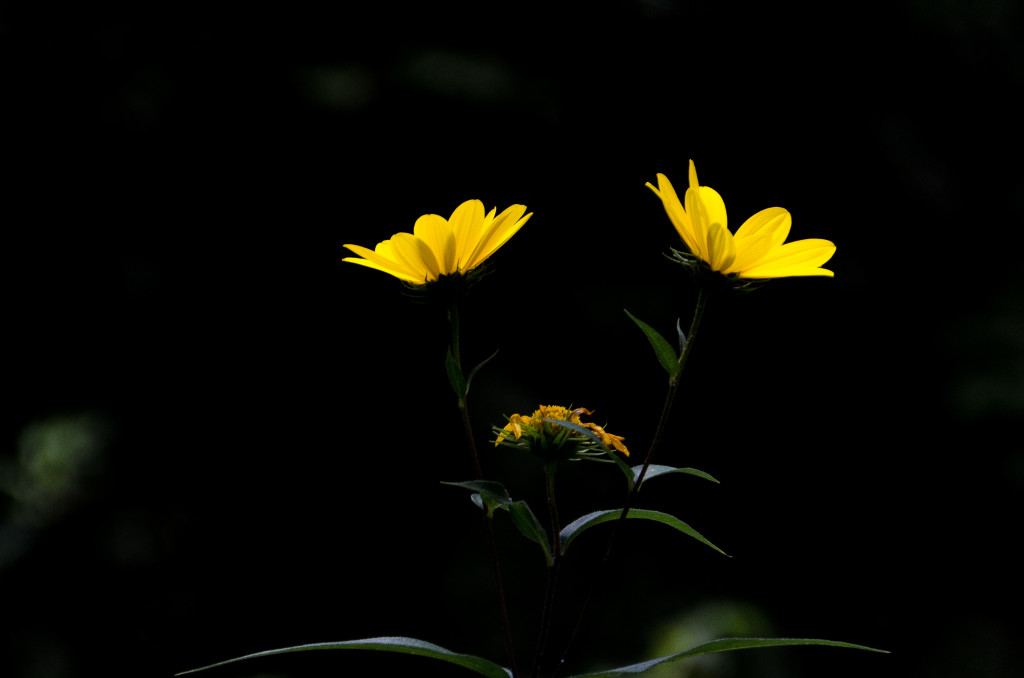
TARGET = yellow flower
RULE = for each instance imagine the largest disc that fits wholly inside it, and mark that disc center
(439, 246)
(756, 250)
(545, 436)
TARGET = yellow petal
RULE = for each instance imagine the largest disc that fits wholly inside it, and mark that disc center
(721, 247)
(714, 206)
(391, 271)
(497, 232)
(705, 207)
(798, 258)
(415, 254)
(758, 235)
(465, 223)
(773, 222)
(699, 219)
(382, 259)
(676, 214)
(434, 231)
(749, 253)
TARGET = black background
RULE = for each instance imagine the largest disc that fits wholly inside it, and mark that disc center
(268, 425)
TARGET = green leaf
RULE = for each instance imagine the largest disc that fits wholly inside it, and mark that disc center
(387, 644)
(573, 529)
(455, 376)
(472, 372)
(530, 527)
(723, 645)
(489, 488)
(666, 354)
(655, 470)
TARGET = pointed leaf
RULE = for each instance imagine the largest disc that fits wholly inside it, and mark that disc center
(455, 376)
(472, 372)
(666, 354)
(396, 644)
(655, 470)
(491, 489)
(573, 529)
(530, 527)
(723, 645)
(682, 337)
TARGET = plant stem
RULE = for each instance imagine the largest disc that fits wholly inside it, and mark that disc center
(505, 628)
(659, 432)
(556, 560)
(453, 319)
(673, 387)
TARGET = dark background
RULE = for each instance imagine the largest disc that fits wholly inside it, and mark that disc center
(220, 439)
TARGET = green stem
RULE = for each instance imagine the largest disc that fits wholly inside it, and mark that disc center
(456, 350)
(673, 387)
(505, 628)
(464, 414)
(556, 526)
(659, 432)
(453, 319)
(556, 560)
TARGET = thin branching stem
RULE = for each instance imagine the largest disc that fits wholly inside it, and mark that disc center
(659, 432)
(453, 318)
(673, 387)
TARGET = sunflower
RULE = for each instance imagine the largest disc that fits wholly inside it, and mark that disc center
(443, 247)
(757, 250)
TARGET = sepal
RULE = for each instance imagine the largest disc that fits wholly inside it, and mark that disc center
(710, 279)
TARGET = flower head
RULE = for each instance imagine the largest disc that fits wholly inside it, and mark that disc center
(540, 433)
(757, 250)
(443, 247)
